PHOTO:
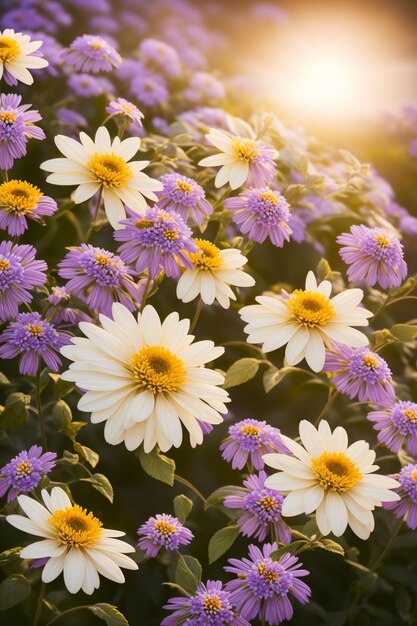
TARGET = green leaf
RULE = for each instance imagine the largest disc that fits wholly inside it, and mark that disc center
(182, 507)
(221, 541)
(323, 270)
(188, 573)
(61, 414)
(290, 547)
(15, 411)
(13, 590)
(404, 332)
(9, 556)
(4, 380)
(87, 453)
(108, 613)
(332, 546)
(62, 387)
(219, 495)
(157, 465)
(102, 484)
(241, 371)
(273, 376)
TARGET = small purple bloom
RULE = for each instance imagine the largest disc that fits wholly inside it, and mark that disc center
(19, 273)
(397, 425)
(17, 125)
(125, 109)
(60, 311)
(20, 201)
(184, 196)
(25, 471)
(406, 507)
(36, 340)
(360, 373)
(158, 241)
(261, 213)
(374, 256)
(99, 278)
(91, 53)
(210, 606)
(70, 118)
(163, 531)
(262, 586)
(204, 87)
(250, 439)
(261, 509)
(149, 89)
(87, 86)
(160, 57)
(160, 124)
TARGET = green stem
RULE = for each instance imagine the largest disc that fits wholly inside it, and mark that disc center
(332, 397)
(187, 483)
(39, 408)
(381, 307)
(247, 248)
(67, 612)
(40, 603)
(94, 219)
(388, 546)
(196, 315)
(145, 294)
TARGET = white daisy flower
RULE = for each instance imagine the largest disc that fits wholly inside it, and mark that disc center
(16, 57)
(104, 165)
(331, 478)
(145, 379)
(307, 321)
(73, 542)
(241, 156)
(213, 271)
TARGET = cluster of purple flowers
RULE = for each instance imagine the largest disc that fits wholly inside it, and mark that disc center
(248, 441)
(25, 471)
(184, 196)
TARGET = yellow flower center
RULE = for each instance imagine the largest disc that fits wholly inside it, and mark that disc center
(23, 469)
(182, 185)
(370, 360)
(156, 368)
(414, 475)
(75, 527)
(268, 503)
(165, 528)
(8, 117)
(144, 223)
(207, 256)
(9, 49)
(245, 149)
(268, 575)
(171, 234)
(336, 471)
(250, 431)
(95, 44)
(35, 329)
(212, 604)
(19, 196)
(382, 240)
(110, 169)
(4, 265)
(104, 261)
(410, 415)
(268, 196)
(311, 307)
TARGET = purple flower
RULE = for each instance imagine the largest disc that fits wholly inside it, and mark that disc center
(184, 196)
(262, 585)
(360, 373)
(261, 509)
(87, 86)
(35, 339)
(20, 201)
(374, 256)
(262, 213)
(204, 87)
(160, 56)
(397, 425)
(125, 109)
(210, 606)
(60, 311)
(160, 124)
(99, 278)
(201, 119)
(70, 118)
(25, 471)
(406, 507)
(149, 89)
(250, 439)
(19, 273)
(158, 241)
(17, 125)
(91, 53)
(163, 531)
